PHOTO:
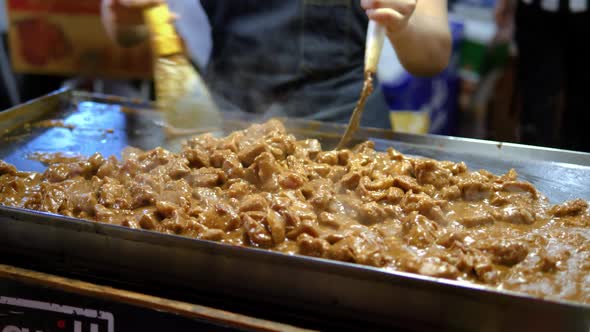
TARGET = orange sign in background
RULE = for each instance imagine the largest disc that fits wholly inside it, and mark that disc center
(66, 37)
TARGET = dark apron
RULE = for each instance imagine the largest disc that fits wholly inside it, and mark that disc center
(299, 58)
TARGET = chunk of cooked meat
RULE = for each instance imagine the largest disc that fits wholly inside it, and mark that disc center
(570, 208)
(6, 168)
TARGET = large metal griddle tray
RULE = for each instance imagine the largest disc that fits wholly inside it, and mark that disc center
(333, 289)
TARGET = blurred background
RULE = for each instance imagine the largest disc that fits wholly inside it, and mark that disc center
(48, 44)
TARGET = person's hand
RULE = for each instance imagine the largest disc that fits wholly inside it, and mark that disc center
(123, 20)
(504, 15)
(394, 15)
(128, 12)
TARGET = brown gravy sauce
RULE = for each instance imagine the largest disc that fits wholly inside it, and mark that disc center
(261, 187)
(355, 119)
(53, 124)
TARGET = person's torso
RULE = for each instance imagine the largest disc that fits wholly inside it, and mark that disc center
(299, 58)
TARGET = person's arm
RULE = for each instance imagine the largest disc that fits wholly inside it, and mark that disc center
(504, 12)
(123, 20)
(504, 15)
(418, 30)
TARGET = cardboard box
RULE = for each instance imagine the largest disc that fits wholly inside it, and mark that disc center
(66, 37)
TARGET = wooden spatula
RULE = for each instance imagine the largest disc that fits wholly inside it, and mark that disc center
(373, 47)
(181, 93)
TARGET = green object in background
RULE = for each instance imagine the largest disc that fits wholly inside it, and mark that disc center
(495, 57)
(478, 59)
(479, 52)
(472, 54)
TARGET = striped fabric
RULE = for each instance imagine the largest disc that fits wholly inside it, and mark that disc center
(575, 6)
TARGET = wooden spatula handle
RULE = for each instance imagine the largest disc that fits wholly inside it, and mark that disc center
(374, 45)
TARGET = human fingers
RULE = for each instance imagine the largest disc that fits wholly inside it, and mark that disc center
(131, 4)
(130, 12)
(392, 14)
(404, 7)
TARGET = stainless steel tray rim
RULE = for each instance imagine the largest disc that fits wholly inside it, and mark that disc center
(305, 262)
